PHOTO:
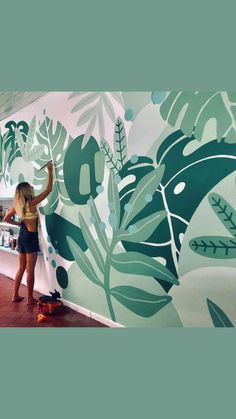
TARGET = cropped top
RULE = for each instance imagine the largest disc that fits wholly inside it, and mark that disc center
(28, 215)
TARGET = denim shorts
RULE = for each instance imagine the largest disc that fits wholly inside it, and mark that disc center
(28, 241)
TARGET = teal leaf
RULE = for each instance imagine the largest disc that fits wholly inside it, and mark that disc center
(143, 229)
(92, 245)
(97, 224)
(113, 196)
(219, 318)
(110, 160)
(82, 261)
(216, 247)
(147, 185)
(224, 211)
(120, 144)
(193, 110)
(139, 301)
(135, 263)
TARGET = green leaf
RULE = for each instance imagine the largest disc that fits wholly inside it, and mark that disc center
(114, 198)
(110, 160)
(118, 97)
(120, 144)
(146, 186)
(82, 261)
(217, 247)
(54, 140)
(143, 229)
(92, 245)
(135, 263)
(86, 116)
(193, 110)
(89, 131)
(139, 301)
(98, 225)
(224, 211)
(219, 318)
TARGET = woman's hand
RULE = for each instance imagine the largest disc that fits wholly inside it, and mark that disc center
(49, 167)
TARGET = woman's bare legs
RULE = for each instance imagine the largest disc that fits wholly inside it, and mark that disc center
(31, 259)
(18, 278)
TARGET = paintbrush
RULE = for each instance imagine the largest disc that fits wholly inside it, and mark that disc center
(45, 165)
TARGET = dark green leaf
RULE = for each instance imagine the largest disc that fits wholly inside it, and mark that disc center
(217, 247)
(219, 318)
(224, 211)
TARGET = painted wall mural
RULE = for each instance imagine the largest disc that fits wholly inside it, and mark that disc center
(136, 226)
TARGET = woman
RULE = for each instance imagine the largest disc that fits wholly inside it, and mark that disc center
(24, 205)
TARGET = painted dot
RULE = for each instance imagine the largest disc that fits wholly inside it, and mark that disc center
(158, 97)
(56, 251)
(148, 197)
(92, 220)
(102, 226)
(113, 220)
(56, 242)
(62, 277)
(54, 264)
(129, 115)
(50, 249)
(134, 159)
(11, 182)
(99, 189)
(132, 229)
(128, 208)
(49, 239)
(111, 205)
(117, 179)
(179, 188)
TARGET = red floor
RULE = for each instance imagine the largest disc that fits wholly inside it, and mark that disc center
(21, 315)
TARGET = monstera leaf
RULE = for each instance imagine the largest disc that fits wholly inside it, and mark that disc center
(94, 106)
(10, 142)
(55, 144)
(192, 111)
(186, 181)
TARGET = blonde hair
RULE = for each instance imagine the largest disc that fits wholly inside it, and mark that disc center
(23, 194)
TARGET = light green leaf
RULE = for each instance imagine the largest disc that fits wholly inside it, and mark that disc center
(120, 145)
(147, 185)
(92, 245)
(54, 140)
(114, 198)
(82, 261)
(143, 229)
(135, 263)
(98, 225)
(89, 131)
(118, 97)
(224, 211)
(86, 116)
(86, 100)
(192, 111)
(219, 318)
(216, 247)
(28, 150)
(139, 301)
(109, 107)
(110, 160)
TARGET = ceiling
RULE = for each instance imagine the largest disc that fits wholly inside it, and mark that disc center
(11, 102)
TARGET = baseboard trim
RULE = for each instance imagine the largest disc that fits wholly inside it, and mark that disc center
(91, 314)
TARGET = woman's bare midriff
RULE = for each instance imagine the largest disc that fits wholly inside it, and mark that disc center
(31, 226)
